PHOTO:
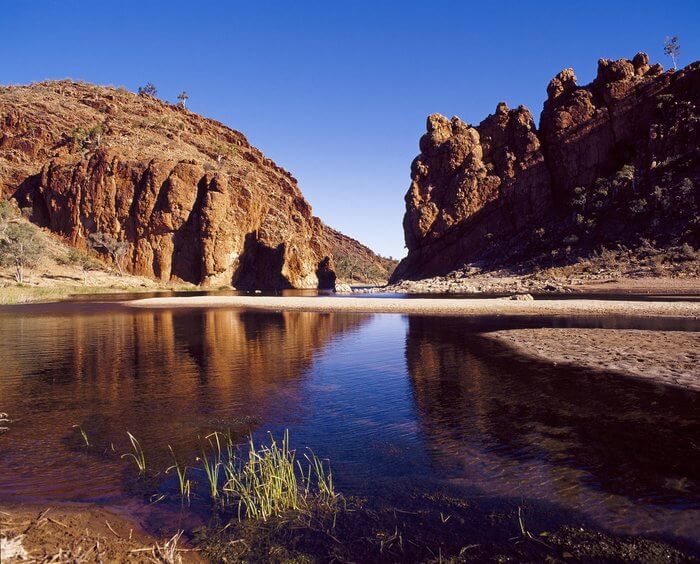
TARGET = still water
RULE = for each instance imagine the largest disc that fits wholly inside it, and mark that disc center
(397, 403)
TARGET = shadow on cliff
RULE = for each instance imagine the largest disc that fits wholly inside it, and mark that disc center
(187, 251)
(260, 266)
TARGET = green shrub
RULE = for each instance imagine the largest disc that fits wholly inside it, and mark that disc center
(688, 252)
(21, 243)
(638, 207)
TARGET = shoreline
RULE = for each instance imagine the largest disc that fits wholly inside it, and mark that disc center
(428, 306)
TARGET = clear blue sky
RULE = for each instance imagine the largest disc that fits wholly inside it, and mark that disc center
(337, 91)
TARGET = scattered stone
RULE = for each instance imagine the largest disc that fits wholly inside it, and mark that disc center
(522, 297)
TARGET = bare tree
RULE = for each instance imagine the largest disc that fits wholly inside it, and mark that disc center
(672, 48)
(148, 89)
(183, 97)
(115, 249)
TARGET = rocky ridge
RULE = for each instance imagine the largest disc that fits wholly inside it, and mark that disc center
(612, 161)
(192, 198)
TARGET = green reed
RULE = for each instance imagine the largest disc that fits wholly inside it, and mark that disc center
(322, 478)
(272, 481)
(83, 434)
(183, 481)
(212, 464)
(266, 481)
(138, 454)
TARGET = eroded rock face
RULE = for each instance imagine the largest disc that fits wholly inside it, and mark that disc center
(588, 131)
(469, 182)
(482, 191)
(192, 198)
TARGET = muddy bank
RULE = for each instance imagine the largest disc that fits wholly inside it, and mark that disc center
(667, 357)
(439, 306)
(430, 528)
(81, 533)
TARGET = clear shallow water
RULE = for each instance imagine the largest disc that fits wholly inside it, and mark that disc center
(397, 403)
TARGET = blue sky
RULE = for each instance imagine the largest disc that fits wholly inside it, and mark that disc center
(337, 92)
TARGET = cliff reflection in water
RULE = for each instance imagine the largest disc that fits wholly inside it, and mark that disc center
(165, 376)
(510, 427)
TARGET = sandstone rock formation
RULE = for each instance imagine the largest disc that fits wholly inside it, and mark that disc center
(193, 199)
(612, 160)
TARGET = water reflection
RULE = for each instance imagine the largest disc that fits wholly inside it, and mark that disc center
(605, 445)
(165, 376)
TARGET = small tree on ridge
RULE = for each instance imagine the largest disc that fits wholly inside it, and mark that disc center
(672, 48)
(148, 89)
(183, 97)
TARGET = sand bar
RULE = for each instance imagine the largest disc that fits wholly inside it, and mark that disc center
(429, 306)
(667, 357)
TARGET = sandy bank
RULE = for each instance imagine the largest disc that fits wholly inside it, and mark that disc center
(428, 306)
(667, 357)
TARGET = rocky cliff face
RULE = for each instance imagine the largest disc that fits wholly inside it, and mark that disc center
(192, 199)
(612, 160)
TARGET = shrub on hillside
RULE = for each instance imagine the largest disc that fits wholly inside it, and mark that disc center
(21, 244)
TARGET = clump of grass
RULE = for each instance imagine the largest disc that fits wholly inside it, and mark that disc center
(321, 476)
(272, 481)
(266, 484)
(138, 454)
(212, 464)
(168, 553)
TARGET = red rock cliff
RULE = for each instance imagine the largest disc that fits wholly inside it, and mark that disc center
(192, 198)
(614, 159)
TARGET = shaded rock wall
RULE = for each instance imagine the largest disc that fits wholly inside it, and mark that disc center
(476, 189)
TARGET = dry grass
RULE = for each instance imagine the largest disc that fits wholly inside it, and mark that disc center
(79, 535)
(27, 294)
(645, 260)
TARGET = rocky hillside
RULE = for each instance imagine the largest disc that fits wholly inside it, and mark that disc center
(614, 162)
(181, 197)
(356, 263)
